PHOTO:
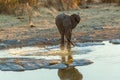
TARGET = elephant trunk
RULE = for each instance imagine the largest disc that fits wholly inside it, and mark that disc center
(68, 34)
(70, 42)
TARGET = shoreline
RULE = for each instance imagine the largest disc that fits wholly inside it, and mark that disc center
(93, 36)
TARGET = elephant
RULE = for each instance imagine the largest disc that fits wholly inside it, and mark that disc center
(65, 24)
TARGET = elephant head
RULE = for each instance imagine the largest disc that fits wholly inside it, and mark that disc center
(75, 19)
(65, 24)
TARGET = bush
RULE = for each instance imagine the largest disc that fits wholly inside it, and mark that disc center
(119, 2)
(10, 6)
(7, 6)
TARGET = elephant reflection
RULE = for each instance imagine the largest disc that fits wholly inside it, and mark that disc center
(65, 24)
(70, 73)
(67, 59)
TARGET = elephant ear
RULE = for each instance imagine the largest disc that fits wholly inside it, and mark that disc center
(75, 17)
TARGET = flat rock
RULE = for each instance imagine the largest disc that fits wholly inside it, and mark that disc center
(81, 62)
(56, 66)
(11, 66)
(22, 64)
(115, 41)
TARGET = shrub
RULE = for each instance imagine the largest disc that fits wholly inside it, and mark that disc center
(10, 6)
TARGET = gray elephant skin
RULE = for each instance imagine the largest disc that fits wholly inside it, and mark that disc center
(65, 24)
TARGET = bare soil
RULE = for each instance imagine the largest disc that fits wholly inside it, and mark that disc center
(98, 23)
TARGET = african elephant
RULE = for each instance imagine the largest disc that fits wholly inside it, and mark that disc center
(65, 24)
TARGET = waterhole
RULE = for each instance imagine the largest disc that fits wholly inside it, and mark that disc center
(106, 66)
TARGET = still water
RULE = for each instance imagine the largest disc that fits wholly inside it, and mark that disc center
(106, 64)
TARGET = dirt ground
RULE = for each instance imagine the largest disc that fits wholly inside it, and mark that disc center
(98, 23)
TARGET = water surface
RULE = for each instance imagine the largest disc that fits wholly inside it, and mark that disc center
(106, 64)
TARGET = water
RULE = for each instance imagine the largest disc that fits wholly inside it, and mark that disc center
(106, 64)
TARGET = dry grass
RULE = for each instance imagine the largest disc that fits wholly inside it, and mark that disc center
(10, 6)
(96, 17)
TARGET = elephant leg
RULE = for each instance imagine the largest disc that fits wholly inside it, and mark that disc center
(62, 33)
(62, 42)
(70, 59)
(68, 37)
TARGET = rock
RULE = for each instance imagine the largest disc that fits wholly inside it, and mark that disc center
(115, 41)
(5, 67)
(56, 66)
(30, 65)
(81, 62)
(14, 67)
(21, 64)
(97, 28)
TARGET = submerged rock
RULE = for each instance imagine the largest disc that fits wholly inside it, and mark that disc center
(21, 64)
(115, 41)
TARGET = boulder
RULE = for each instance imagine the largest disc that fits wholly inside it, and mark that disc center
(115, 41)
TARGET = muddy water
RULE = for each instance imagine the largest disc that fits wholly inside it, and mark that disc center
(106, 64)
